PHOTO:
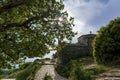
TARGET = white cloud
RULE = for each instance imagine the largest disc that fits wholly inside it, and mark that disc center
(49, 55)
(90, 15)
(84, 11)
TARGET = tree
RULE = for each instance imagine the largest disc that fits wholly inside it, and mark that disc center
(106, 46)
(31, 27)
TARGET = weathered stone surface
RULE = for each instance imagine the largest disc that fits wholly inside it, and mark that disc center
(86, 39)
(113, 74)
(80, 49)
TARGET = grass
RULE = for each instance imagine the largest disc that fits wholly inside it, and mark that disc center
(27, 73)
(97, 69)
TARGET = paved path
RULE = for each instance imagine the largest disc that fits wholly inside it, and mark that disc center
(49, 69)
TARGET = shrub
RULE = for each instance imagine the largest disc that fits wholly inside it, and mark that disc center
(63, 70)
(73, 71)
(1, 72)
(106, 45)
(47, 77)
(29, 72)
(78, 73)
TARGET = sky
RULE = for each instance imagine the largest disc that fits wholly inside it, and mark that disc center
(90, 15)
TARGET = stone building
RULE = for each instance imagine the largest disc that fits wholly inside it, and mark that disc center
(72, 51)
(86, 39)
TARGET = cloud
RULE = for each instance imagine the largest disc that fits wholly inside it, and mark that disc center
(84, 10)
(109, 12)
(90, 15)
(49, 55)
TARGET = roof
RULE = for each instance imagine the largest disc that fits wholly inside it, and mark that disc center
(87, 36)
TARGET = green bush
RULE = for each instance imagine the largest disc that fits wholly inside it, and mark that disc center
(25, 72)
(47, 77)
(78, 73)
(1, 71)
(106, 45)
(73, 71)
(63, 70)
(29, 72)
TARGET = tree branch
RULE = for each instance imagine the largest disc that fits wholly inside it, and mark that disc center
(26, 22)
(6, 26)
(23, 24)
(11, 5)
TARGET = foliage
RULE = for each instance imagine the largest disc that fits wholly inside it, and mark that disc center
(77, 73)
(96, 70)
(54, 56)
(47, 59)
(1, 71)
(47, 77)
(37, 60)
(63, 69)
(81, 69)
(69, 69)
(27, 73)
(24, 65)
(99, 69)
(84, 61)
(106, 46)
(30, 27)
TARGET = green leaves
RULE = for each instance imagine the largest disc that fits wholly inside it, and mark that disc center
(31, 28)
(106, 43)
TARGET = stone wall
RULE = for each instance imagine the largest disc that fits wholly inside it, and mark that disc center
(86, 39)
(80, 49)
(72, 51)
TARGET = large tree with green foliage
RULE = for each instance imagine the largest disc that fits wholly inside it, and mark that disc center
(106, 46)
(30, 27)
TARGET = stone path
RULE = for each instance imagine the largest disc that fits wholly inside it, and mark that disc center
(113, 74)
(7, 79)
(49, 69)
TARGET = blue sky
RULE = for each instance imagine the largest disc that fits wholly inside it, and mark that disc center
(90, 15)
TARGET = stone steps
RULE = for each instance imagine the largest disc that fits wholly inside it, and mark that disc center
(113, 74)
